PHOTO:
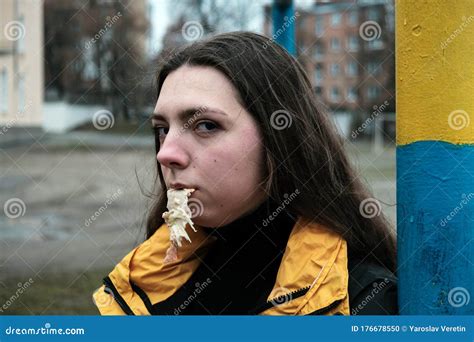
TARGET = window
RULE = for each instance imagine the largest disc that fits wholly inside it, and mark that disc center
(351, 69)
(336, 19)
(335, 94)
(335, 69)
(335, 44)
(318, 51)
(373, 92)
(353, 43)
(90, 71)
(318, 90)
(21, 95)
(375, 44)
(302, 23)
(318, 76)
(353, 18)
(351, 94)
(373, 14)
(318, 73)
(3, 91)
(372, 68)
(21, 41)
(319, 27)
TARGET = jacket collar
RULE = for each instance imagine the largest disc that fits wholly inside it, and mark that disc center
(313, 274)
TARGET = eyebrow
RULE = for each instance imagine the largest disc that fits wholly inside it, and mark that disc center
(189, 112)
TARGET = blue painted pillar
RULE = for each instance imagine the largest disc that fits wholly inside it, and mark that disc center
(435, 156)
(283, 17)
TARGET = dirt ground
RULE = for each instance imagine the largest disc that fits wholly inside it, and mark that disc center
(84, 210)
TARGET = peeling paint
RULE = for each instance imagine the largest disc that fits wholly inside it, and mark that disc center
(416, 30)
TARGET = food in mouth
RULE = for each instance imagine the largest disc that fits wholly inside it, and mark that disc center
(177, 217)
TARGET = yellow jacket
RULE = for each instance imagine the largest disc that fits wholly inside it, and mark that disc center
(313, 274)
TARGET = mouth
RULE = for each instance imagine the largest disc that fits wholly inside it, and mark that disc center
(181, 186)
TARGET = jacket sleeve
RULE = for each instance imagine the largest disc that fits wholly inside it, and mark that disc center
(378, 298)
(373, 290)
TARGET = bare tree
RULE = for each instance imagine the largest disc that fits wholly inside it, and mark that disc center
(95, 52)
(216, 15)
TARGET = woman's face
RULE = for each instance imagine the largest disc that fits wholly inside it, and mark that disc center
(209, 142)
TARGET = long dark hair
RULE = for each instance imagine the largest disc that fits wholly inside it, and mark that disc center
(307, 154)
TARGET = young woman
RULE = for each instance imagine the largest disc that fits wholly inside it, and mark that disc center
(281, 226)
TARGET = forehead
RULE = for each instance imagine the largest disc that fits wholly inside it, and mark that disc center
(191, 86)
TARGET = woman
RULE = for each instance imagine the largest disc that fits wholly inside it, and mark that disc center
(280, 216)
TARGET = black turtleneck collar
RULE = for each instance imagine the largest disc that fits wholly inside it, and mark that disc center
(246, 226)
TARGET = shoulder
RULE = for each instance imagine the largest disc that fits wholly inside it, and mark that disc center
(372, 290)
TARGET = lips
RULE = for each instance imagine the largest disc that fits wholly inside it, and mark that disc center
(179, 186)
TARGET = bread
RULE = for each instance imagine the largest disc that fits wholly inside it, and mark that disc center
(176, 218)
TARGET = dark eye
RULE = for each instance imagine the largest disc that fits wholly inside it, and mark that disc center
(160, 131)
(206, 126)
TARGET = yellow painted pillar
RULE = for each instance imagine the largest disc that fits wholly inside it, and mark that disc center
(435, 156)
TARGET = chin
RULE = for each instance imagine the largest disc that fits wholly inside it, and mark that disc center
(209, 222)
(201, 221)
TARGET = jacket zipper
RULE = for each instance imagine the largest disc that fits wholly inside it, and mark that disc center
(324, 310)
(281, 299)
(118, 298)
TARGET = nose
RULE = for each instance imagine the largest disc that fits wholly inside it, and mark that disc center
(172, 153)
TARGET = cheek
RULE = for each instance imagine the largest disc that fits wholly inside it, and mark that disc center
(236, 168)
(232, 181)
(231, 173)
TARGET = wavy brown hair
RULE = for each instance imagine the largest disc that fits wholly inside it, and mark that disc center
(307, 155)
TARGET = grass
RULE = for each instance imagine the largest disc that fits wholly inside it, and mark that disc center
(55, 294)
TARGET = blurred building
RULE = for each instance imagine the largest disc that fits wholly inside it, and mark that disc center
(347, 49)
(21, 63)
(60, 61)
